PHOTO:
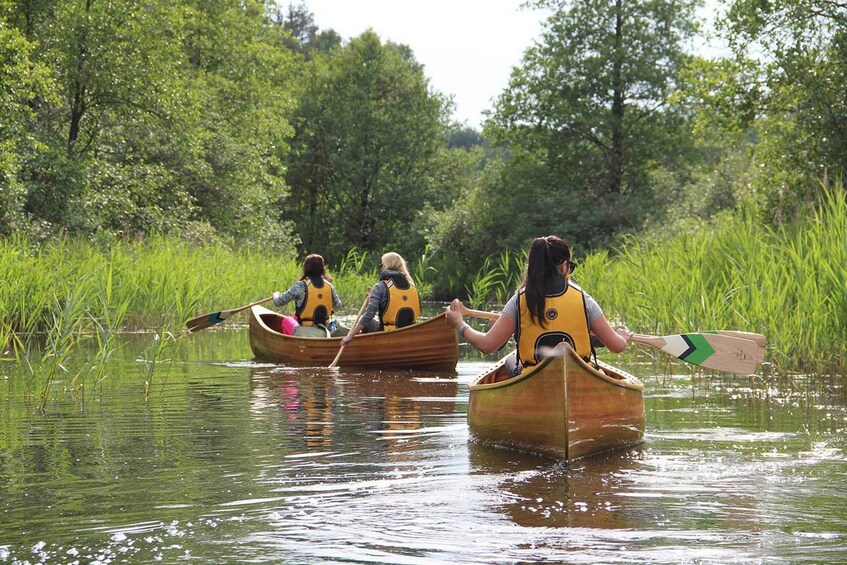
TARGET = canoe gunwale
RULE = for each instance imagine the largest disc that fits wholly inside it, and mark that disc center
(626, 381)
(259, 311)
(430, 345)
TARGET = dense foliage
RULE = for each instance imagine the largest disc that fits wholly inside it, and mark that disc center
(242, 124)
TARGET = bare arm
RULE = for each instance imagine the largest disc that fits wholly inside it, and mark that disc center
(487, 342)
(614, 340)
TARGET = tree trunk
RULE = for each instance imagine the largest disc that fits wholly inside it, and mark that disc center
(78, 106)
(617, 156)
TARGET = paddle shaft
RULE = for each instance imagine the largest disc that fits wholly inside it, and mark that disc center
(213, 318)
(359, 315)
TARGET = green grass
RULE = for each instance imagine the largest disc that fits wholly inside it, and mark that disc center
(787, 283)
(149, 284)
(57, 293)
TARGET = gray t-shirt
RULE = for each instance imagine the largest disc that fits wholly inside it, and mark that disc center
(591, 306)
(297, 293)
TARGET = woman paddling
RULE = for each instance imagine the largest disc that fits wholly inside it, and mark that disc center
(315, 299)
(394, 300)
(547, 309)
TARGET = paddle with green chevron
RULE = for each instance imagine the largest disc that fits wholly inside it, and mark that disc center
(732, 351)
(721, 352)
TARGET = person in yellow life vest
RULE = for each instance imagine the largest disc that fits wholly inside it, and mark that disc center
(394, 299)
(547, 309)
(314, 299)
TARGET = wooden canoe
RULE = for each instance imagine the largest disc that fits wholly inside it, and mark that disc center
(429, 345)
(562, 408)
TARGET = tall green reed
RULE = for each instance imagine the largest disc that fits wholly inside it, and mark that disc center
(738, 274)
(69, 321)
(497, 279)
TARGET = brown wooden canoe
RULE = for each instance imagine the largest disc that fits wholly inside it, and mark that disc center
(562, 408)
(429, 345)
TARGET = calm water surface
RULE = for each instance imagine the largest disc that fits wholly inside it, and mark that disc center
(236, 461)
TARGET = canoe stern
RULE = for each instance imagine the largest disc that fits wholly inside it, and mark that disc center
(562, 408)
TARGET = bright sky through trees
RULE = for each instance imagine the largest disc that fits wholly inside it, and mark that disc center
(468, 47)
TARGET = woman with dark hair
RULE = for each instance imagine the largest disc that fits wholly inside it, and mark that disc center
(547, 309)
(314, 298)
(394, 299)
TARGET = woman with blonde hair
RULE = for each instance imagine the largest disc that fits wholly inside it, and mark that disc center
(394, 299)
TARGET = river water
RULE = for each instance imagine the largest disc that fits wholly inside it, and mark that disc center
(232, 461)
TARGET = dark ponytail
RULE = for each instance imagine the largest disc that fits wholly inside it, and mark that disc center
(545, 256)
(314, 269)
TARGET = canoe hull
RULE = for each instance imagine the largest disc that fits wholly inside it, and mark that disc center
(562, 408)
(430, 345)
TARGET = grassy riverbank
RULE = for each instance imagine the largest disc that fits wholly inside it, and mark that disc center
(147, 284)
(788, 283)
(736, 274)
(55, 294)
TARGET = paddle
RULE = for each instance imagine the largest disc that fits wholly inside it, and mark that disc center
(760, 341)
(209, 320)
(711, 351)
(359, 315)
(726, 350)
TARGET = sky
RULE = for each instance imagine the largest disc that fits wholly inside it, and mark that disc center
(467, 47)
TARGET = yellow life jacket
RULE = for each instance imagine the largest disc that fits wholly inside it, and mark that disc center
(404, 305)
(566, 319)
(317, 304)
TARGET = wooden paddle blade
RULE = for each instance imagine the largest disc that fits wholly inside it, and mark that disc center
(214, 318)
(711, 351)
(203, 322)
(758, 339)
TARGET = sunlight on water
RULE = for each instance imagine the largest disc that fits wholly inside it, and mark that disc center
(231, 461)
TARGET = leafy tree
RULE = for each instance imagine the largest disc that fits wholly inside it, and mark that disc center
(242, 78)
(588, 106)
(465, 137)
(22, 80)
(366, 150)
(170, 117)
(801, 51)
(113, 63)
(305, 36)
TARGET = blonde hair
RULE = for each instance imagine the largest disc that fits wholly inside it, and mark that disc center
(392, 261)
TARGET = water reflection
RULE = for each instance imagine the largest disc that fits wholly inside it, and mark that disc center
(323, 406)
(231, 461)
(537, 492)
